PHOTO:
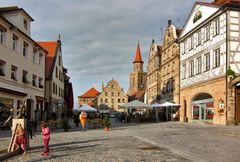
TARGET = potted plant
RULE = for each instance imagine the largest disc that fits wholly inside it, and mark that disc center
(106, 123)
(65, 124)
(230, 73)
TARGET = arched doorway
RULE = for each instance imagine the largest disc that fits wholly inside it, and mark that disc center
(202, 107)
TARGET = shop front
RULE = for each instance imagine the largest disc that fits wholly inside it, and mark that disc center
(202, 108)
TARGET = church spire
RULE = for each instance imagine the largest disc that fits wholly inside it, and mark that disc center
(138, 56)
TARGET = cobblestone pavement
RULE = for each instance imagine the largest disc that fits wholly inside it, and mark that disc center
(141, 142)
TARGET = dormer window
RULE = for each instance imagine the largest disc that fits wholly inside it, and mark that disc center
(25, 24)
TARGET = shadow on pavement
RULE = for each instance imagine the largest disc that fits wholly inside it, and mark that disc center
(65, 144)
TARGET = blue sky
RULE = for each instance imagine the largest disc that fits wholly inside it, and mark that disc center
(100, 36)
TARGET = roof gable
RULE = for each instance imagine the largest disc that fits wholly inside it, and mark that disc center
(91, 93)
(51, 48)
(199, 13)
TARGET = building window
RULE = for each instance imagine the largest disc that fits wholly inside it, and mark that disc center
(191, 42)
(173, 66)
(14, 72)
(191, 67)
(106, 93)
(35, 55)
(123, 100)
(25, 49)
(119, 93)
(199, 37)
(207, 61)
(106, 100)
(112, 93)
(25, 76)
(34, 80)
(2, 35)
(25, 23)
(112, 100)
(119, 100)
(15, 42)
(184, 46)
(40, 59)
(184, 69)
(199, 65)
(59, 60)
(217, 57)
(216, 27)
(2, 68)
(54, 87)
(40, 83)
(56, 72)
(207, 33)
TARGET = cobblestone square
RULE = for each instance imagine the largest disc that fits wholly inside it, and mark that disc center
(139, 142)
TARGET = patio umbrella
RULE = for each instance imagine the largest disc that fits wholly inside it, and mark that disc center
(165, 104)
(136, 104)
(86, 108)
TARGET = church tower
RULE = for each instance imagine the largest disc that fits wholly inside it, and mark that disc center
(137, 76)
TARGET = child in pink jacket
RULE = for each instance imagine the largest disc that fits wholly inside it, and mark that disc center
(46, 138)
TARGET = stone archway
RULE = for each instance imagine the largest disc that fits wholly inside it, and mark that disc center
(202, 107)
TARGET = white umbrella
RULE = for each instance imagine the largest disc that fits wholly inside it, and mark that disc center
(87, 108)
(165, 104)
(136, 104)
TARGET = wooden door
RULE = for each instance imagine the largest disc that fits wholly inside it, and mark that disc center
(238, 104)
(29, 109)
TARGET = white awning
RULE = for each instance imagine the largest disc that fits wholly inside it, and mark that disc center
(13, 88)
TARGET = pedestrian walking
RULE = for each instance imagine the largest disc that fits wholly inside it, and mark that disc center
(21, 140)
(46, 138)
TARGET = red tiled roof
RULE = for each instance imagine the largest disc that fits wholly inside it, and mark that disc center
(51, 48)
(138, 56)
(91, 93)
(139, 95)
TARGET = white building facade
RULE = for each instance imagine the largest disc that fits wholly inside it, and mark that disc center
(209, 47)
(22, 65)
